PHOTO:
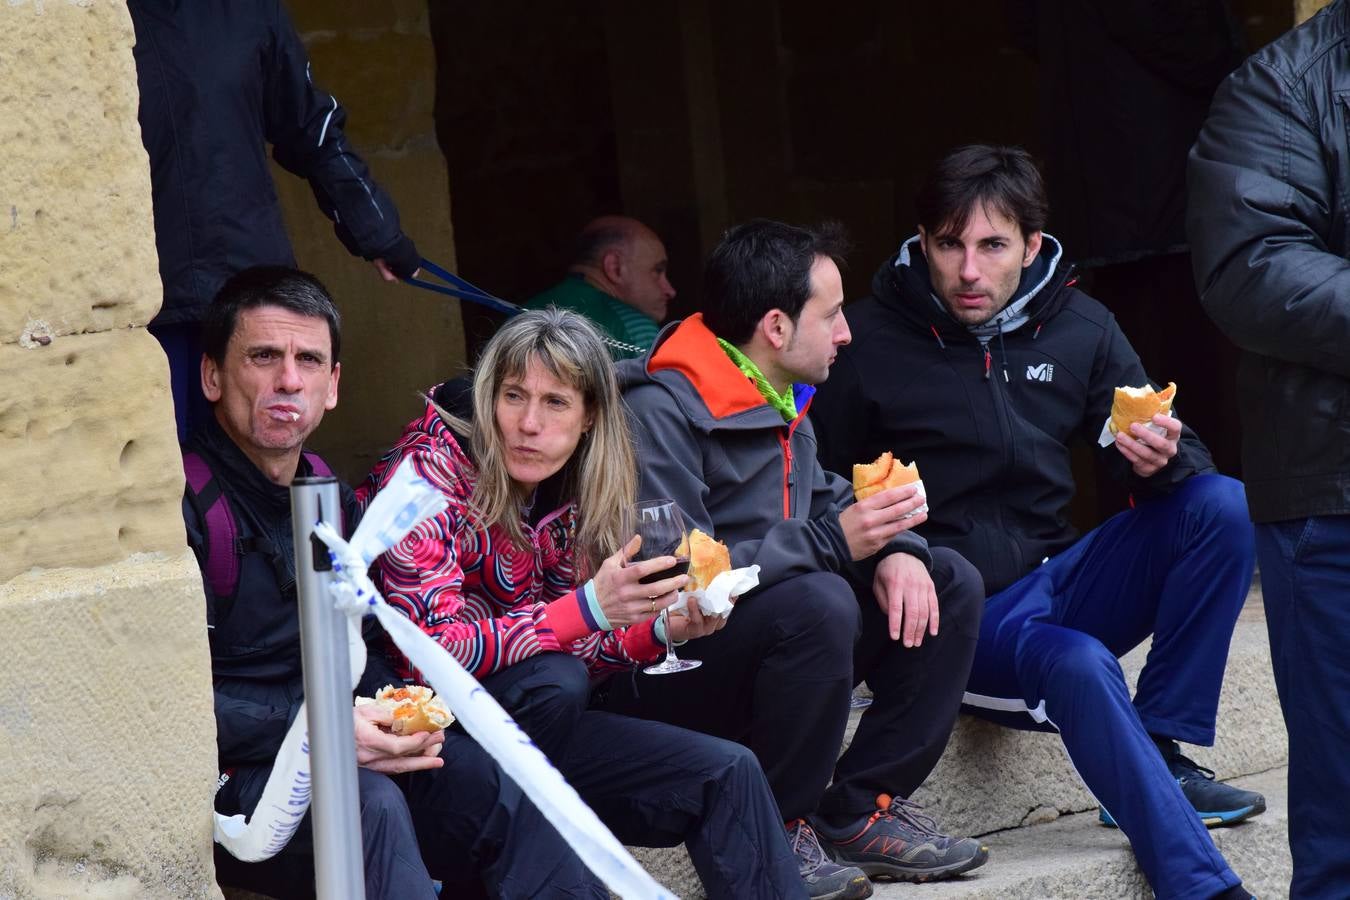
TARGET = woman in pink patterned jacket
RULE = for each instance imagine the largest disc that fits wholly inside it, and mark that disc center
(520, 561)
(519, 579)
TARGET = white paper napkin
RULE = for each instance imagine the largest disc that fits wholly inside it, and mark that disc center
(1106, 438)
(716, 600)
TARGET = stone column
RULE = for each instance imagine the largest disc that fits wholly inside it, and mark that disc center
(107, 739)
(1304, 9)
(378, 60)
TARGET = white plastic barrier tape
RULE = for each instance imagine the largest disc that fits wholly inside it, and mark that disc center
(286, 796)
(404, 502)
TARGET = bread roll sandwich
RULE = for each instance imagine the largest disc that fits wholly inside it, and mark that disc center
(1139, 404)
(883, 473)
(414, 708)
(708, 558)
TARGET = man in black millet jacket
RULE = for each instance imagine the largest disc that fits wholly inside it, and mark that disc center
(976, 357)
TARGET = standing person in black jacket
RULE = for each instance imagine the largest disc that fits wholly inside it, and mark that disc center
(1270, 232)
(270, 370)
(977, 358)
(220, 81)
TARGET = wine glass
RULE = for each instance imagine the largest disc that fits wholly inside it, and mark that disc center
(661, 527)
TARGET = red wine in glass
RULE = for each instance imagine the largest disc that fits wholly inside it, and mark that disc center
(661, 527)
(681, 567)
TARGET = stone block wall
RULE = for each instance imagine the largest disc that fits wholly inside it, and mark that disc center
(106, 731)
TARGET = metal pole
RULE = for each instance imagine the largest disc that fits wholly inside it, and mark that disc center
(335, 812)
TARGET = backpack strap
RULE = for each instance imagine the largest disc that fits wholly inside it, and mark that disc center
(222, 532)
(323, 470)
(317, 465)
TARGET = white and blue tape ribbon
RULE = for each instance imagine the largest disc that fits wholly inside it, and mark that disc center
(405, 502)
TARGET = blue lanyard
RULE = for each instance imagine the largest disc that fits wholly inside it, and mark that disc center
(461, 289)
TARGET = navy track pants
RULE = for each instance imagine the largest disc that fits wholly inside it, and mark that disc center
(1305, 581)
(1177, 567)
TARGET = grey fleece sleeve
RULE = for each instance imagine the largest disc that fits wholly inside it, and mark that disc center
(671, 464)
(830, 496)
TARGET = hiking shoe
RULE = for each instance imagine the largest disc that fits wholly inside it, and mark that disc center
(901, 843)
(1216, 803)
(824, 879)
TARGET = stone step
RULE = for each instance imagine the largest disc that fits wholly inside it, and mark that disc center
(1073, 857)
(1076, 857)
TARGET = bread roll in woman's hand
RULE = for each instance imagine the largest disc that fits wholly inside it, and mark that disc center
(1140, 404)
(883, 473)
(413, 708)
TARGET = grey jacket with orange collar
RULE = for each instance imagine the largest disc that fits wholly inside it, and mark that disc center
(707, 439)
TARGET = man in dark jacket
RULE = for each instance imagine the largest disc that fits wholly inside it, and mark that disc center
(846, 592)
(270, 371)
(1270, 234)
(979, 360)
(220, 80)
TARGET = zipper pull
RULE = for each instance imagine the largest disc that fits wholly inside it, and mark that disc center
(988, 362)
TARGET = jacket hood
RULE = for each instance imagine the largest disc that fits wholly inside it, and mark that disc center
(903, 284)
(714, 393)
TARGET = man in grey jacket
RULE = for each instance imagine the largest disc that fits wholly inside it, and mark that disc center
(847, 591)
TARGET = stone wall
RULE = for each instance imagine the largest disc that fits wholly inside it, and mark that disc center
(106, 731)
(1304, 9)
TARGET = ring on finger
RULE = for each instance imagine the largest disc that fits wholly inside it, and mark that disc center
(653, 606)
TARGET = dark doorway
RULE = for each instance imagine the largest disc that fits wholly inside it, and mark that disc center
(693, 116)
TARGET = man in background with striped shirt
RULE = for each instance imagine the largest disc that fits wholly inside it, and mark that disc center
(617, 279)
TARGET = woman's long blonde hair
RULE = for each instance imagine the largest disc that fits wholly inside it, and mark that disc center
(601, 476)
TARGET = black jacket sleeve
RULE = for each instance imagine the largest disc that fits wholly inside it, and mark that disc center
(1117, 364)
(304, 125)
(1264, 195)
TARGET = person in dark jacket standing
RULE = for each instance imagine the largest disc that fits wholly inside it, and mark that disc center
(847, 591)
(270, 371)
(1270, 234)
(220, 82)
(980, 361)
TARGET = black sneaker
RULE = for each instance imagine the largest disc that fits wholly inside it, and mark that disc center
(824, 880)
(1216, 803)
(901, 843)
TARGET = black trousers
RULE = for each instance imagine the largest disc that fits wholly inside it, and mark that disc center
(473, 826)
(777, 678)
(655, 785)
(393, 865)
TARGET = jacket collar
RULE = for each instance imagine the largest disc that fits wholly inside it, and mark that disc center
(689, 349)
(903, 284)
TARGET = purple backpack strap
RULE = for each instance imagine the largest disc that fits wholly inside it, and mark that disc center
(321, 469)
(222, 533)
(317, 465)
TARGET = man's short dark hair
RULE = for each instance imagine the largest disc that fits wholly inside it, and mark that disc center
(593, 243)
(290, 289)
(1005, 179)
(760, 266)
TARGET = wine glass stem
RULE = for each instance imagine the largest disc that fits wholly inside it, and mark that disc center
(670, 643)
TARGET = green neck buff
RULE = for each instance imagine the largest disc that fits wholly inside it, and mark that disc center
(785, 403)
